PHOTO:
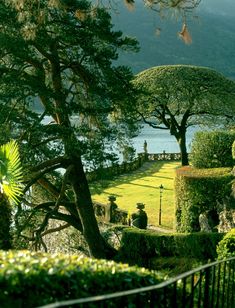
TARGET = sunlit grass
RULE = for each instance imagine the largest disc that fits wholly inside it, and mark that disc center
(142, 186)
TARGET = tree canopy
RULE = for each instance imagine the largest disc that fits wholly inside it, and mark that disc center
(161, 5)
(175, 97)
(61, 55)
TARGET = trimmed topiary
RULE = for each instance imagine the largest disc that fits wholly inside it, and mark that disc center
(141, 246)
(212, 149)
(226, 247)
(200, 191)
(33, 279)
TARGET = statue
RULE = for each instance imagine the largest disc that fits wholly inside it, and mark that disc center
(209, 221)
(113, 207)
(204, 223)
(226, 211)
(145, 150)
(139, 219)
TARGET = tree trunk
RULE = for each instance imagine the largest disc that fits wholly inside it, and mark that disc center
(98, 248)
(181, 139)
(5, 222)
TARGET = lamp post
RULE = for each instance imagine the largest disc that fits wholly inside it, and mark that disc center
(160, 206)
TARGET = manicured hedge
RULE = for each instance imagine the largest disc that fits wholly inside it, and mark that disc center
(34, 279)
(226, 247)
(212, 149)
(198, 191)
(140, 246)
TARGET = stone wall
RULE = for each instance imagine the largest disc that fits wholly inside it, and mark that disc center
(103, 213)
(125, 167)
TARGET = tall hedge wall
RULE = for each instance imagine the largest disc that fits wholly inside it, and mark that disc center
(212, 149)
(198, 191)
(35, 279)
(139, 246)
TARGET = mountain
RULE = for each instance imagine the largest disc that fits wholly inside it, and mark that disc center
(212, 29)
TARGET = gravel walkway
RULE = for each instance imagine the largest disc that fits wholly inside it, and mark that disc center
(160, 229)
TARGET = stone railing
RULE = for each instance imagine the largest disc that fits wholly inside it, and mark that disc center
(115, 169)
(125, 167)
(103, 212)
(161, 156)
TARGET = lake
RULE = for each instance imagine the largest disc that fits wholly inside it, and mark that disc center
(159, 140)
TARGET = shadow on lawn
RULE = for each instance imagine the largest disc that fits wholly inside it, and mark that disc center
(148, 186)
(147, 170)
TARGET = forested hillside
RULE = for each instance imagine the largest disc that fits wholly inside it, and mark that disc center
(212, 29)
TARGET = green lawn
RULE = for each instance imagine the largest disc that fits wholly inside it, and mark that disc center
(142, 185)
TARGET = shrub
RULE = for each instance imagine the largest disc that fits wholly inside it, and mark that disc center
(226, 247)
(198, 191)
(140, 246)
(33, 279)
(173, 266)
(233, 150)
(212, 149)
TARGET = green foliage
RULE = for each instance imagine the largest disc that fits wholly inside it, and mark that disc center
(173, 266)
(178, 96)
(33, 279)
(10, 171)
(226, 247)
(139, 247)
(61, 55)
(10, 188)
(233, 150)
(184, 86)
(212, 149)
(198, 191)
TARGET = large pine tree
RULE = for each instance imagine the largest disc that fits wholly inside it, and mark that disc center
(61, 54)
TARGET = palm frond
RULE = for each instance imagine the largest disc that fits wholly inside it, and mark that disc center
(10, 171)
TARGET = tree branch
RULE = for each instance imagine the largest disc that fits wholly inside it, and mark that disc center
(40, 175)
(51, 162)
(61, 227)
